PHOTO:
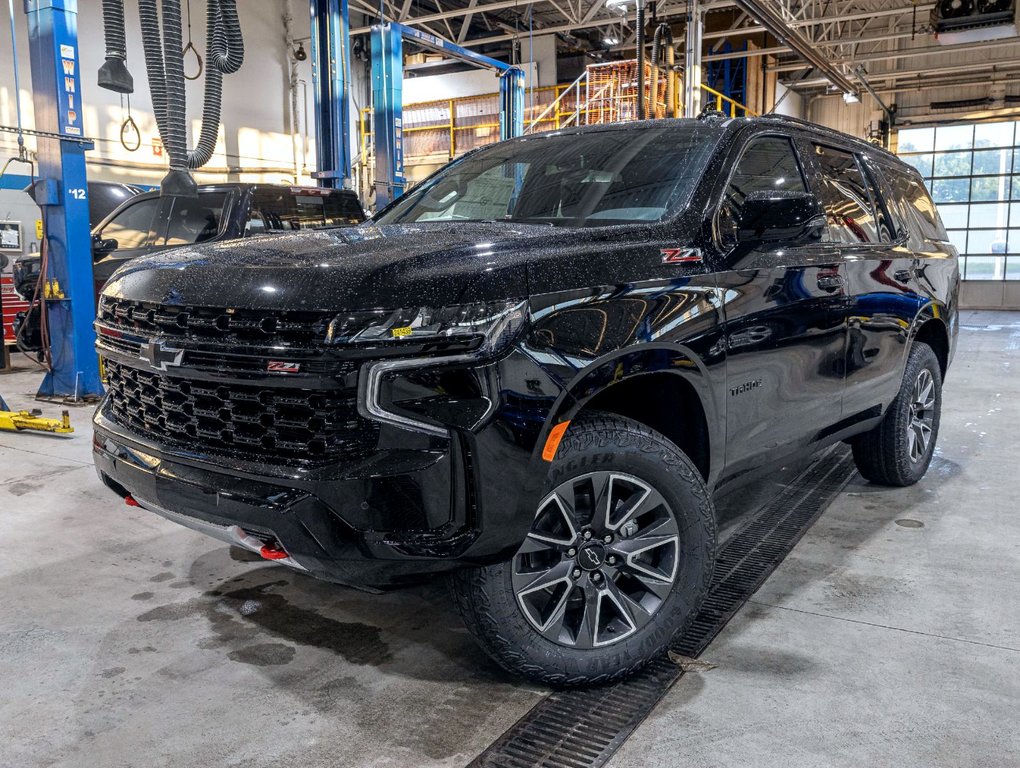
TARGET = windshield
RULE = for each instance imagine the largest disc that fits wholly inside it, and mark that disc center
(573, 180)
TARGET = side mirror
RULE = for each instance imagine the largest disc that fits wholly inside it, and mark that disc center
(780, 216)
(102, 246)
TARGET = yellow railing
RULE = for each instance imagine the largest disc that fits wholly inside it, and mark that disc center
(722, 99)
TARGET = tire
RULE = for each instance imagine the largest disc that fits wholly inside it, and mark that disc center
(623, 598)
(899, 449)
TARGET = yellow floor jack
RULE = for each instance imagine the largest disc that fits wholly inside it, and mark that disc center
(15, 421)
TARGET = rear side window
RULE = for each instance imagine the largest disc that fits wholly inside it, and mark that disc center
(883, 218)
(768, 163)
(276, 210)
(848, 208)
(195, 220)
(915, 205)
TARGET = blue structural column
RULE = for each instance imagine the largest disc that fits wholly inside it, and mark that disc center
(63, 196)
(331, 73)
(387, 115)
(511, 103)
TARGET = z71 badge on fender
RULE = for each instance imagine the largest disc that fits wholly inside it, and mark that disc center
(681, 255)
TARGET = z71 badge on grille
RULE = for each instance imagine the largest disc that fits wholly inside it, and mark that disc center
(282, 366)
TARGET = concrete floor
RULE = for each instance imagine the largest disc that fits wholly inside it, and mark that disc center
(890, 636)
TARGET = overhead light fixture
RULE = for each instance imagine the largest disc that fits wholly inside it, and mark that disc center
(610, 41)
(851, 98)
(618, 6)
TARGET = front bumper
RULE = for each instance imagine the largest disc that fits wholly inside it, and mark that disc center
(419, 504)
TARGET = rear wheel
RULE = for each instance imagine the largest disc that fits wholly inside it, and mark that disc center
(617, 561)
(899, 450)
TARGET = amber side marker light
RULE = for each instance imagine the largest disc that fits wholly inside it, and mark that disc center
(552, 443)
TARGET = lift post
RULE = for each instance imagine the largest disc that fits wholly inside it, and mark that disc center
(63, 195)
(331, 73)
(387, 94)
(387, 113)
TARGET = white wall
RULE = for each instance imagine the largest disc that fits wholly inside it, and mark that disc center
(476, 82)
(255, 143)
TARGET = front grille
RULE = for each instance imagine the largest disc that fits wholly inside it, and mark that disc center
(275, 423)
(267, 328)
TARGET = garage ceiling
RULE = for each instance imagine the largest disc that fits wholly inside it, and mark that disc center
(890, 39)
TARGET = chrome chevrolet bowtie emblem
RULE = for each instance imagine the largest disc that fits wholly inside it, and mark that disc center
(160, 357)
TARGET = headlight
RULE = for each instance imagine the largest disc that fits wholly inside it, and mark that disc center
(483, 327)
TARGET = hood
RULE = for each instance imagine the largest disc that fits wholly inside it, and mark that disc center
(366, 267)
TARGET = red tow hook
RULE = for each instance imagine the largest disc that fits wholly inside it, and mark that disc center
(273, 551)
(130, 501)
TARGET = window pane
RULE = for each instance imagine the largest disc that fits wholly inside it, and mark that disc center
(194, 220)
(958, 237)
(1014, 213)
(992, 161)
(988, 215)
(953, 216)
(993, 135)
(989, 188)
(985, 267)
(1012, 268)
(953, 164)
(131, 226)
(986, 241)
(954, 137)
(767, 164)
(950, 190)
(921, 162)
(845, 198)
(917, 140)
(1014, 241)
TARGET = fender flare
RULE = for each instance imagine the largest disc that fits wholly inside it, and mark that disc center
(626, 364)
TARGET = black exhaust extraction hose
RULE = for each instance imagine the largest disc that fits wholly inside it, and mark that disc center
(114, 75)
(164, 62)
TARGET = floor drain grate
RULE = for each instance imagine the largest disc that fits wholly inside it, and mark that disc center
(582, 729)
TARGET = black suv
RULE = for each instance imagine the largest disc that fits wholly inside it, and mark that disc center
(537, 369)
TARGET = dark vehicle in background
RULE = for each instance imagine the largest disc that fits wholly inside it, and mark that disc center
(149, 223)
(537, 370)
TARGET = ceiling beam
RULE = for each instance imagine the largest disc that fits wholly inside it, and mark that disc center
(789, 36)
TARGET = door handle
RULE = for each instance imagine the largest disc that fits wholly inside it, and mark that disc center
(830, 282)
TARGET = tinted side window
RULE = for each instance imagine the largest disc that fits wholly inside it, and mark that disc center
(195, 221)
(767, 163)
(917, 209)
(845, 198)
(132, 226)
(883, 219)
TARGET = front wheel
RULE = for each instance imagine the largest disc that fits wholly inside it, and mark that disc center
(617, 562)
(898, 451)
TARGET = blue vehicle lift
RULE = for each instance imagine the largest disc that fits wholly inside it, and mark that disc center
(63, 195)
(387, 85)
(331, 72)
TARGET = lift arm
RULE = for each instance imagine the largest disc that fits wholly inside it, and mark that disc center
(15, 421)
